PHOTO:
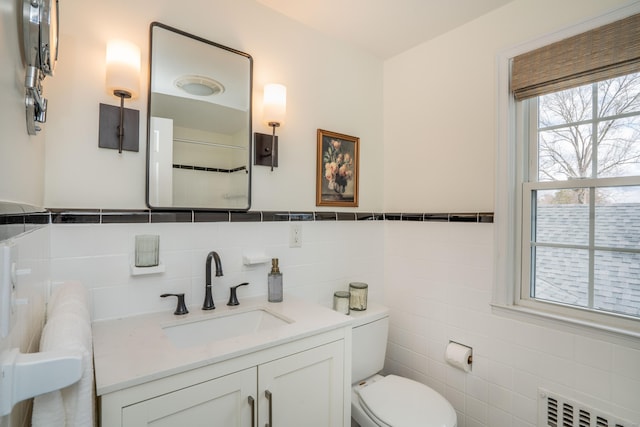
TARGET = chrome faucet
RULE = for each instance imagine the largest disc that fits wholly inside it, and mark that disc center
(208, 298)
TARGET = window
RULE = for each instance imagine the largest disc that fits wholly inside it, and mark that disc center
(568, 179)
(581, 197)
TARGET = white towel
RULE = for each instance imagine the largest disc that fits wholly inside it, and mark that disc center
(69, 293)
(68, 328)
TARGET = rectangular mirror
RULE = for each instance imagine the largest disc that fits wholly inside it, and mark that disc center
(199, 123)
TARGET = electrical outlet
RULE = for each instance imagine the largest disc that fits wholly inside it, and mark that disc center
(295, 236)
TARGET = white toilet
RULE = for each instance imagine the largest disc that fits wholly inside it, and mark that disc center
(390, 401)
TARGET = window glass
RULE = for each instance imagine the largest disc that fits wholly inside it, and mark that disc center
(560, 218)
(617, 282)
(564, 152)
(619, 147)
(561, 275)
(582, 231)
(617, 218)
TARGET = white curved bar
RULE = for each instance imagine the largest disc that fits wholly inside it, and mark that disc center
(25, 375)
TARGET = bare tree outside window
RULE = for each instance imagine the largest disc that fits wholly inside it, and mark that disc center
(592, 131)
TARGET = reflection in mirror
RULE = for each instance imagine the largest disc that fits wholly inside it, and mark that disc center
(199, 127)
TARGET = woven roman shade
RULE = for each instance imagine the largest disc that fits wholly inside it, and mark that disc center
(605, 52)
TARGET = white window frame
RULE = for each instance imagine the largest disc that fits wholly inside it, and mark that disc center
(508, 295)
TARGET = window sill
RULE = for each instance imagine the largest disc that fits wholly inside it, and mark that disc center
(616, 335)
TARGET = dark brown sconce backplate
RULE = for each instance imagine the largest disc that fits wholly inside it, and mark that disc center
(109, 122)
(262, 151)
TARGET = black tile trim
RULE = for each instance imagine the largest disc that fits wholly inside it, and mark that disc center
(346, 216)
(255, 216)
(463, 217)
(211, 216)
(327, 216)
(75, 217)
(370, 216)
(113, 216)
(269, 216)
(436, 217)
(12, 219)
(42, 218)
(301, 216)
(207, 169)
(486, 217)
(122, 217)
(173, 216)
(412, 217)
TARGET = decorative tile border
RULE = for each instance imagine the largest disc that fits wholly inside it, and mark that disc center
(104, 216)
(28, 220)
(17, 218)
(206, 169)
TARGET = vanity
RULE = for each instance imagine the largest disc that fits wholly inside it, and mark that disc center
(257, 364)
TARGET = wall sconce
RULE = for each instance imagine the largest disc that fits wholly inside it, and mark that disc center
(275, 109)
(119, 127)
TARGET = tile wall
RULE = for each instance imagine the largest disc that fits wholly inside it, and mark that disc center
(438, 284)
(32, 244)
(96, 247)
(435, 272)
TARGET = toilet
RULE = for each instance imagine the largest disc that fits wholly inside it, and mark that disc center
(388, 401)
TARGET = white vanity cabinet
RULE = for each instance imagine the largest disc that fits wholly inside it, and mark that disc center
(299, 383)
(304, 389)
(221, 402)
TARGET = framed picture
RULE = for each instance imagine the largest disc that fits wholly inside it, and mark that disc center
(337, 169)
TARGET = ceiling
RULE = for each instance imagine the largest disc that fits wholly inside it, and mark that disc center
(384, 27)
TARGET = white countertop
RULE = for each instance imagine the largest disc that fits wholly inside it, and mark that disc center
(135, 350)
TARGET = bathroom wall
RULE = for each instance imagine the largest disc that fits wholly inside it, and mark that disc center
(22, 172)
(437, 129)
(21, 155)
(31, 290)
(329, 86)
(440, 120)
(332, 254)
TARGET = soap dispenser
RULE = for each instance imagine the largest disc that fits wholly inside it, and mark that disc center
(275, 282)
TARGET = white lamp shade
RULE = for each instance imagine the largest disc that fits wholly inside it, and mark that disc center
(275, 103)
(123, 67)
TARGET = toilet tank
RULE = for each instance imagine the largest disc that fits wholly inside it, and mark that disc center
(370, 332)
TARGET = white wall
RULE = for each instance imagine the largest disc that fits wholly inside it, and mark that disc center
(438, 280)
(329, 86)
(332, 255)
(440, 135)
(32, 250)
(21, 156)
(440, 106)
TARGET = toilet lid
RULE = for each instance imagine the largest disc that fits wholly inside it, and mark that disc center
(399, 402)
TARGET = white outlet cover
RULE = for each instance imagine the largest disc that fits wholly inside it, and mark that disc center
(295, 236)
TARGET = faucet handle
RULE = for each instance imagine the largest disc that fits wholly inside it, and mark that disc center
(181, 308)
(233, 297)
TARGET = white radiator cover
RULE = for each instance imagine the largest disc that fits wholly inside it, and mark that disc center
(555, 410)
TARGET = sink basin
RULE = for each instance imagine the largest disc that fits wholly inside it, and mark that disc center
(203, 331)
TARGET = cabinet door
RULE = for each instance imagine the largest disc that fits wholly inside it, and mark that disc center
(223, 402)
(305, 389)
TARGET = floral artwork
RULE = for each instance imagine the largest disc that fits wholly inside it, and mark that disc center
(337, 169)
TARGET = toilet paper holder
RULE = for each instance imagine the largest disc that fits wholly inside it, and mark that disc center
(459, 355)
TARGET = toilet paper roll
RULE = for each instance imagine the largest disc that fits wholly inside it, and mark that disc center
(459, 355)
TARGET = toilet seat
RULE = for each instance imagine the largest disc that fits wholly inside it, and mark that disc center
(395, 401)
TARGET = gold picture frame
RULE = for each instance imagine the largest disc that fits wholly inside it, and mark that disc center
(337, 169)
